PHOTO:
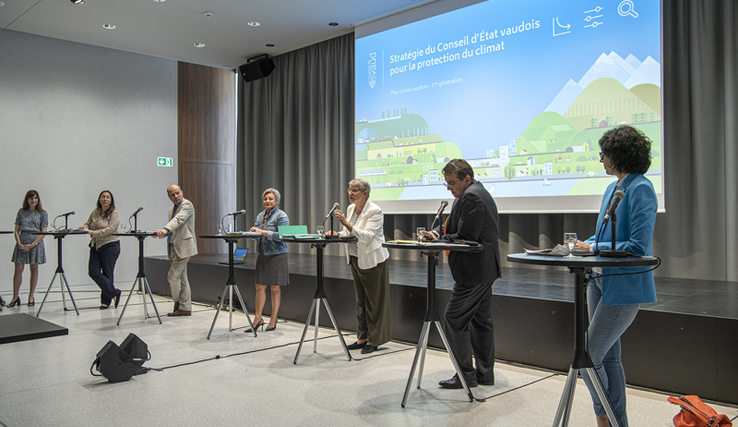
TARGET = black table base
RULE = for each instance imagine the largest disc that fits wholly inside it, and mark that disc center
(231, 285)
(63, 282)
(141, 282)
(320, 296)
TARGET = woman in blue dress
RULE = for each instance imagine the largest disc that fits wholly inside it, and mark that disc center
(29, 248)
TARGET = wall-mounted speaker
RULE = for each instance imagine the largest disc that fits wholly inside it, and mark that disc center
(256, 69)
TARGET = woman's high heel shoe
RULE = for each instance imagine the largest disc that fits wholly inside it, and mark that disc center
(31, 303)
(15, 302)
(117, 299)
(261, 323)
(271, 328)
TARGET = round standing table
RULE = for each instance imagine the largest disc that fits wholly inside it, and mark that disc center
(231, 283)
(141, 281)
(432, 250)
(59, 235)
(580, 266)
(320, 295)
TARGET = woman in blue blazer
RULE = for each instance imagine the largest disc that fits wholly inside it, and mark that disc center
(613, 300)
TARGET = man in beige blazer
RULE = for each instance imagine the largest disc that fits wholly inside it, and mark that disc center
(182, 244)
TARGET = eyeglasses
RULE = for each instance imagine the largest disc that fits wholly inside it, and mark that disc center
(602, 155)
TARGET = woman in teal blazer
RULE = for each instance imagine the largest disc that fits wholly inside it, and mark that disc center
(613, 300)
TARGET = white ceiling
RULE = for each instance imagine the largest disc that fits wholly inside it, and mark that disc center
(170, 29)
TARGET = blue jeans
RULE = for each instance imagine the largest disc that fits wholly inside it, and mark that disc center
(606, 325)
(101, 268)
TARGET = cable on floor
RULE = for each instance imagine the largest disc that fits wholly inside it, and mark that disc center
(217, 357)
(484, 399)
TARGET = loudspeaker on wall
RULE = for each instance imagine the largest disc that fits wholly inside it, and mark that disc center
(256, 69)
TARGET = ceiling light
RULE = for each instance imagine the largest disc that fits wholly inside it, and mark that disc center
(333, 24)
(199, 44)
(160, 1)
(78, 1)
(109, 26)
(254, 24)
(270, 45)
(2, 4)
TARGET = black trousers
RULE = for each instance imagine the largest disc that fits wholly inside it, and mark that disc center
(102, 268)
(469, 330)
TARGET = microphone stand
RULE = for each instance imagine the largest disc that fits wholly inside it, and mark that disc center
(135, 223)
(613, 253)
(235, 219)
(331, 236)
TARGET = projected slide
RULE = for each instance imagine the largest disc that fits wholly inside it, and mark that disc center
(521, 90)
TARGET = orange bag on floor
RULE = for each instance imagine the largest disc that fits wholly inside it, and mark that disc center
(696, 413)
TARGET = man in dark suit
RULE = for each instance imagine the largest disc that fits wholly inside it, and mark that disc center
(468, 314)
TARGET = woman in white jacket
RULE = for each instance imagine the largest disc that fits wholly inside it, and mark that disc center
(368, 260)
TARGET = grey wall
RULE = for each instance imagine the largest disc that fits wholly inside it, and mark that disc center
(76, 120)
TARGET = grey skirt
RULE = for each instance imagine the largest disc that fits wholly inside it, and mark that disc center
(36, 255)
(272, 270)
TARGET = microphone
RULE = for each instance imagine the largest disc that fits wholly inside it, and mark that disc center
(67, 214)
(140, 208)
(616, 198)
(335, 206)
(242, 211)
(440, 210)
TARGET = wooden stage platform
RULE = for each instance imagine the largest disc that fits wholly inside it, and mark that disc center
(684, 344)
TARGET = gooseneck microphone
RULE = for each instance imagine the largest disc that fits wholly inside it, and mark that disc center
(333, 209)
(439, 213)
(616, 198)
(67, 214)
(140, 208)
(241, 212)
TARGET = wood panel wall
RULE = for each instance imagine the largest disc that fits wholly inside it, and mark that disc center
(206, 139)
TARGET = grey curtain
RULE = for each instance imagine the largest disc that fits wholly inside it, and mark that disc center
(296, 134)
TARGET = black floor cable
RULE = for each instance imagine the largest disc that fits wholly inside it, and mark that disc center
(484, 399)
(217, 357)
(384, 353)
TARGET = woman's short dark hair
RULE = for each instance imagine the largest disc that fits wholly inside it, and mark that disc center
(30, 194)
(628, 148)
(110, 210)
(460, 168)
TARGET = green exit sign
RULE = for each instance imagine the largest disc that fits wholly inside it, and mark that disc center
(165, 162)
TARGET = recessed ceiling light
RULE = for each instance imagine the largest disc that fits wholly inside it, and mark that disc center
(254, 24)
(269, 45)
(160, 1)
(333, 24)
(78, 1)
(109, 26)
(199, 44)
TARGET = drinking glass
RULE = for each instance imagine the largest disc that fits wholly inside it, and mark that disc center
(320, 229)
(220, 229)
(420, 233)
(570, 239)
